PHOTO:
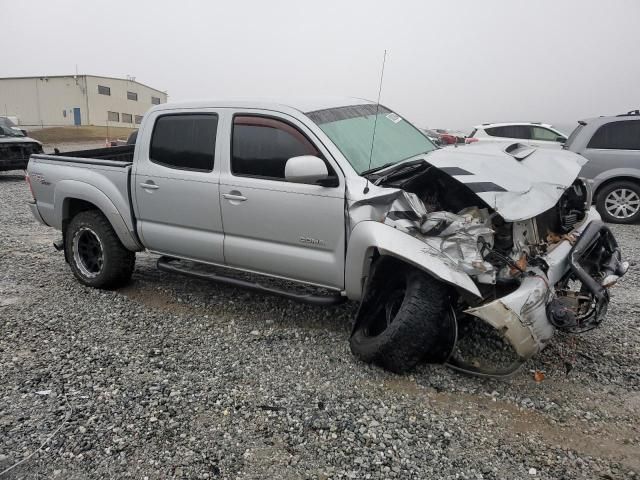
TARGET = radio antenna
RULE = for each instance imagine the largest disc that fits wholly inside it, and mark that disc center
(375, 121)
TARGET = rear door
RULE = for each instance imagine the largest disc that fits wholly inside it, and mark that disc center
(176, 185)
(290, 230)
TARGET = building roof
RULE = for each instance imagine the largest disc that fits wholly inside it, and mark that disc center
(83, 75)
(304, 105)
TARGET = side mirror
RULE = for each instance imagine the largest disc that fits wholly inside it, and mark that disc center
(308, 169)
(561, 139)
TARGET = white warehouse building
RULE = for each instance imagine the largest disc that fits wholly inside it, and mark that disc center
(76, 100)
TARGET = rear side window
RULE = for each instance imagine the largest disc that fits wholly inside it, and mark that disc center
(510, 131)
(623, 135)
(185, 142)
(574, 135)
(261, 146)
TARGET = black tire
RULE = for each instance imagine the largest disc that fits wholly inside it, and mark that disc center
(420, 326)
(96, 255)
(607, 195)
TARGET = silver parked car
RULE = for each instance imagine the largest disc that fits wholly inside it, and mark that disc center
(612, 146)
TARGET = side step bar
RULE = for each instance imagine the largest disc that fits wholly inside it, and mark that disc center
(166, 264)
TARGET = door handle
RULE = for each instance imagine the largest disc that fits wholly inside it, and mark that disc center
(150, 186)
(234, 197)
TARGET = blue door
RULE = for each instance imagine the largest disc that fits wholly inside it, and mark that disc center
(76, 116)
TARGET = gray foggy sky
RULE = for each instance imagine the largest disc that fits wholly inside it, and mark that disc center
(450, 64)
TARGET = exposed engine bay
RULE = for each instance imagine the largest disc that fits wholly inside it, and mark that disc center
(534, 275)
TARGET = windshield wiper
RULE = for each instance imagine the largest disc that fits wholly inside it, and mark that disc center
(397, 172)
(377, 169)
(399, 164)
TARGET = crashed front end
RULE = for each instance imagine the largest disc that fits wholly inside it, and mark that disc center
(535, 248)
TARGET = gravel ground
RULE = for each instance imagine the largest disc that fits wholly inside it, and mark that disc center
(186, 379)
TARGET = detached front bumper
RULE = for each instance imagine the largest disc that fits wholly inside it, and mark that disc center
(528, 317)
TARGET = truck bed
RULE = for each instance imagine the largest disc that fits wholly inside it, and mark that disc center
(100, 177)
(122, 153)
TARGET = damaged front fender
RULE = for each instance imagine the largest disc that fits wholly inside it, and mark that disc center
(367, 236)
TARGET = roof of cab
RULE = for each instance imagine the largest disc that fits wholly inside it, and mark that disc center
(304, 105)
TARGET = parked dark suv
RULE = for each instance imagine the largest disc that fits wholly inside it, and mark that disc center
(15, 146)
(612, 146)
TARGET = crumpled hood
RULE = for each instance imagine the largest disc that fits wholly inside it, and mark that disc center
(517, 181)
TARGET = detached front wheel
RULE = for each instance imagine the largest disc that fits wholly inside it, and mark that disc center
(96, 255)
(405, 317)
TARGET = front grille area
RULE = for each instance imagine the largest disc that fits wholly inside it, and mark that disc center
(19, 151)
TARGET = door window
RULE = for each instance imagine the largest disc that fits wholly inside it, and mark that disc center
(541, 133)
(261, 146)
(623, 135)
(510, 131)
(185, 141)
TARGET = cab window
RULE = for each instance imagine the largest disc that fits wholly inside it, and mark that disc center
(261, 146)
(185, 142)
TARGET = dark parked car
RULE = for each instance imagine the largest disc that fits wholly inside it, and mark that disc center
(15, 146)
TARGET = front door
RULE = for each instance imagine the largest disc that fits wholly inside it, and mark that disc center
(291, 230)
(76, 116)
(176, 187)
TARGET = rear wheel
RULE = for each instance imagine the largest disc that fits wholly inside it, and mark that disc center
(404, 318)
(96, 255)
(619, 202)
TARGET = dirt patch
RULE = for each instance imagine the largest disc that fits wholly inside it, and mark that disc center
(603, 442)
(156, 299)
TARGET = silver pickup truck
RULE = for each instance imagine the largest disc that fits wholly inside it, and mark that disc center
(348, 196)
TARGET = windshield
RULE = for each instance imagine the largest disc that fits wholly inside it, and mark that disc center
(6, 128)
(351, 129)
(6, 122)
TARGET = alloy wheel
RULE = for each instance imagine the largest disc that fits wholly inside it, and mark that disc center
(622, 203)
(88, 253)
